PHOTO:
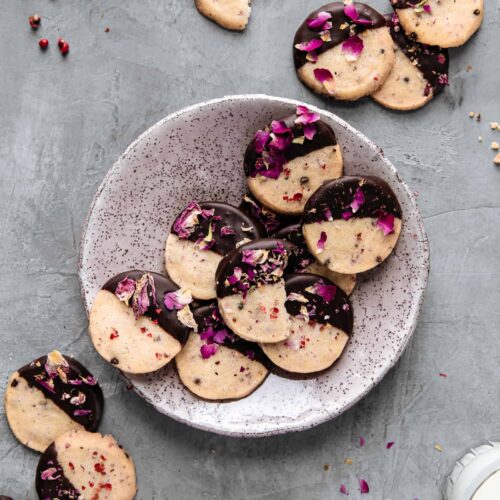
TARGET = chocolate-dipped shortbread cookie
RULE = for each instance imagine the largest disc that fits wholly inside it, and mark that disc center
(251, 291)
(199, 238)
(230, 14)
(445, 23)
(81, 464)
(215, 364)
(343, 50)
(420, 72)
(321, 321)
(50, 396)
(302, 261)
(139, 321)
(352, 224)
(287, 161)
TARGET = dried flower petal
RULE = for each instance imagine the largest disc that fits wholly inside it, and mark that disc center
(343, 489)
(236, 276)
(346, 215)
(310, 131)
(185, 316)
(208, 350)
(55, 363)
(178, 299)
(254, 257)
(49, 474)
(363, 486)
(325, 77)
(351, 12)
(322, 240)
(260, 140)
(81, 413)
(125, 289)
(390, 444)
(309, 46)
(385, 222)
(318, 23)
(326, 292)
(144, 291)
(361, 441)
(353, 47)
(358, 200)
(185, 224)
(227, 231)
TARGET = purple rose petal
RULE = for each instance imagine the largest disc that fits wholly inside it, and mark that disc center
(178, 299)
(125, 289)
(310, 131)
(208, 350)
(260, 140)
(343, 489)
(322, 240)
(81, 413)
(227, 231)
(351, 12)
(346, 215)
(327, 293)
(385, 222)
(358, 200)
(323, 75)
(363, 486)
(318, 23)
(353, 47)
(49, 474)
(236, 276)
(389, 445)
(362, 441)
(309, 46)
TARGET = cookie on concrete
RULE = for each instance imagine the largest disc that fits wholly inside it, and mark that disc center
(343, 51)
(251, 291)
(352, 224)
(199, 238)
(139, 321)
(50, 396)
(419, 73)
(287, 161)
(321, 322)
(80, 464)
(230, 14)
(215, 364)
(445, 23)
(302, 261)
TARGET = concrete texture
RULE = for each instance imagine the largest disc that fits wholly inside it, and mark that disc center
(64, 122)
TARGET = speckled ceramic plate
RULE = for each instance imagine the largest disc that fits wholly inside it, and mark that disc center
(197, 153)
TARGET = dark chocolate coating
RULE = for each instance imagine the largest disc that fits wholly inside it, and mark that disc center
(234, 259)
(166, 319)
(426, 57)
(337, 313)
(272, 221)
(60, 488)
(229, 216)
(36, 376)
(3, 497)
(336, 9)
(204, 317)
(300, 257)
(403, 4)
(324, 137)
(337, 195)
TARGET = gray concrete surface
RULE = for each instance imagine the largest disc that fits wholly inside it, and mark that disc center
(64, 122)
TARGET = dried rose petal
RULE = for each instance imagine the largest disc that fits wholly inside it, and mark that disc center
(325, 77)
(363, 486)
(328, 214)
(309, 46)
(185, 224)
(279, 127)
(351, 12)
(219, 336)
(322, 240)
(227, 231)
(427, 8)
(260, 140)
(310, 131)
(254, 257)
(79, 399)
(125, 289)
(358, 200)
(236, 276)
(326, 292)
(318, 23)
(185, 316)
(178, 299)
(361, 441)
(390, 444)
(55, 363)
(208, 350)
(441, 58)
(140, 300)
(305, 116)
(49, 474)
(385, 222)
(81, 413)
(343, 489)
(346, 215)
(353, 47)
(48, 385)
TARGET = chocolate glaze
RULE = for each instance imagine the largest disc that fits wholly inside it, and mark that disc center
(337, 313)
(426, 57)
(234, 259)
(336, 9)
(300, 257)
(229, 216)
(324, 137)
(272, 221)
(165, 318)
(35, 373)
(60, 488)
(204, 317)
(403, 4)
(337, 195)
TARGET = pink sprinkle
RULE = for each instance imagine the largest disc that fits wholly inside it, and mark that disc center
(362, 441)
(322, 240)
(343, 489)
(363, 486)
(389, 445)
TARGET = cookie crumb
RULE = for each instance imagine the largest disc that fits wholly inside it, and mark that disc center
(471, 114)
(496, 160)
(438, 447)
(495, 146)
(494, 125)
(348, 461)
(480, 139)
(106, 30)
(327, 467)
(469, 68)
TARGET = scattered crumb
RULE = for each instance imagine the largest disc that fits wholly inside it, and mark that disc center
(480, 138)
(327, 467)
(494, 126)
(472, 114)
(496, 160)
(348, 461)
(476, 115)
(106, 30)
(469, 68)
(438, 447)
(495, 146)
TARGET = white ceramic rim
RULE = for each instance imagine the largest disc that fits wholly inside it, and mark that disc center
(295, 426)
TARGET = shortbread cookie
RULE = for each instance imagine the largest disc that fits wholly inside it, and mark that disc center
(344, 51)
(230, 14)
(302, 261)
(50, 396)
(352, 224)
(139, 321)
(287, 161)
(199, 238)
(215, 364)
(251, 291)
(446, 23)
(420, 72)
(321, 322)
(81, 464)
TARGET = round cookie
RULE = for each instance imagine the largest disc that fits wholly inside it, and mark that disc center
(199, 238)
(230, 14)
(251, 292)
(352, 224)
(286, 162)
(81, 464)
(321, 320)
(50, 396)
(343, 51)
(446, 23)
(215, 364)
(420, 72)
(139, 321)
(301, 260)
